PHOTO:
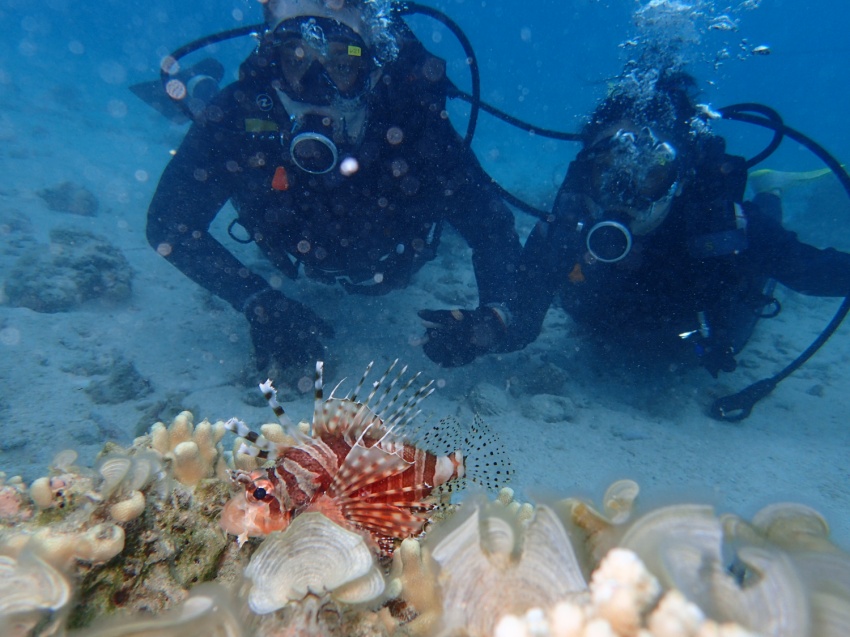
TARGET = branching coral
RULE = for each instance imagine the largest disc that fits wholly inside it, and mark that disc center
(194, 452)
(624, 602)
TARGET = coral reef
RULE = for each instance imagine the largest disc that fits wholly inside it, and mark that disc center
(76, 267)
(134, 546)
(194, 452)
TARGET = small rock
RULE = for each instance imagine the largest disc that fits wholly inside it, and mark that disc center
(70, 197)
(123, 383)
(550, 408)
(489, 400)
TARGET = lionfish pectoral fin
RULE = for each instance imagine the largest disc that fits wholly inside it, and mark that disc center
(385, 519)
(486, 462)
(363, 467)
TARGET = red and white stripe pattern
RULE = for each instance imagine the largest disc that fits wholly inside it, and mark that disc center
(363, 464)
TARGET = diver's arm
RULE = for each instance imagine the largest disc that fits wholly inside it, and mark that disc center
(541, 271)
(192, 190)
(487, 226)
(795, 264)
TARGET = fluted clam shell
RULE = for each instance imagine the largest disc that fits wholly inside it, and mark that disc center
(659, 537)
(772, 601)
(63, 460)
(366, 588)
(28, 583)
(313, 555)
(499, 536)
(145, 467)
(479, 585)
(114, 469)
(682, 545)
(619, 500)
(830, 615)
(792, 525)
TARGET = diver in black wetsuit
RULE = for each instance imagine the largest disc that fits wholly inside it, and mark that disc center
(650, 243)
(336, 151)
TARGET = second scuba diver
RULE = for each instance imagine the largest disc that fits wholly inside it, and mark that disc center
(651, 246)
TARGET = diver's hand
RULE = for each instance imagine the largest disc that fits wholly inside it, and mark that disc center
(285, 331)
(456, 337)
(718, 359)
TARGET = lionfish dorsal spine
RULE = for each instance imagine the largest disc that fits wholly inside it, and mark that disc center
(377, 385)
(405, 414)
(319, 423)
(357, 390)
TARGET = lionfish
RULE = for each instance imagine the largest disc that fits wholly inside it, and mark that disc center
(362, 464)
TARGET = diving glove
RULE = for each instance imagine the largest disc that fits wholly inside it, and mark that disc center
(456, 337)
(284, 331)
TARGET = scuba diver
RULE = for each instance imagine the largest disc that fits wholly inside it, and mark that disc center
(651, 246)
(336, 151)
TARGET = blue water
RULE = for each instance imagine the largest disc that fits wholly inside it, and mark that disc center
(65, 69)
(546, 61)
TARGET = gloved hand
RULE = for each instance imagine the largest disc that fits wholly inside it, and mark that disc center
(285, 331)
(456, 337)
(718, 359)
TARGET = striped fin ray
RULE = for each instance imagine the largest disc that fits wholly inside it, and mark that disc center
(260, 447)
(407, 411)
(353, 396)
(385, 519)
(270, 394)
(382, 411)
(355, 413)
(377, 386)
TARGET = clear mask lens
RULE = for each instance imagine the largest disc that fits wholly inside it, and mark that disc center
(632, 169)
(321, 60)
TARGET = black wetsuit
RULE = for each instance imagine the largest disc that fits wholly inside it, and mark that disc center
(706, 266)
(371, 230)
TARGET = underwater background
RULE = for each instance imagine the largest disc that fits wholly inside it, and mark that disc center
(100, 338)
(80, 157)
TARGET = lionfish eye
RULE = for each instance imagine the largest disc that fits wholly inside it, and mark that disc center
(259, 493)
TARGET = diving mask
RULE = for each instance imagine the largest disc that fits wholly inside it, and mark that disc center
(321, 60)
(631, 170)
(632, 178)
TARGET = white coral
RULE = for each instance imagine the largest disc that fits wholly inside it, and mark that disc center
(314, 555)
